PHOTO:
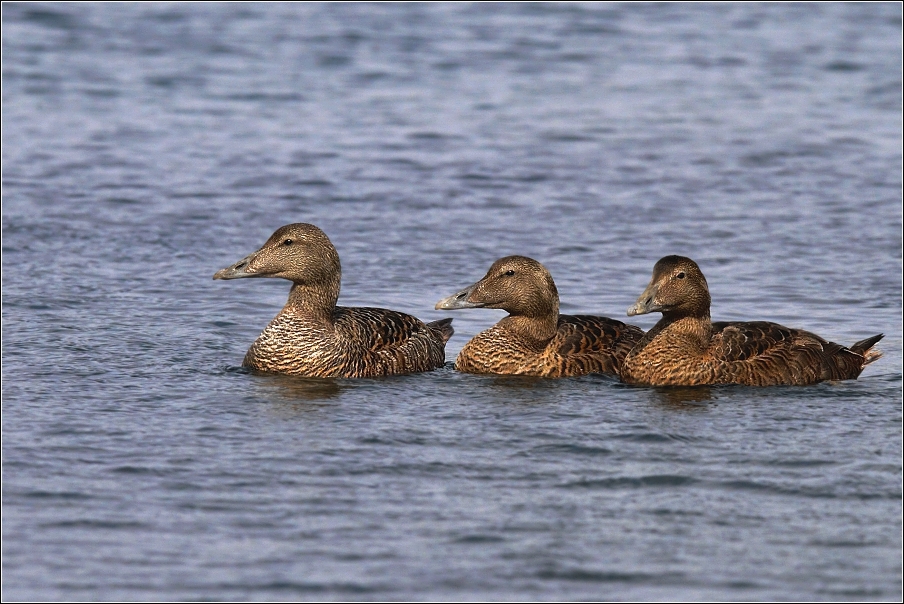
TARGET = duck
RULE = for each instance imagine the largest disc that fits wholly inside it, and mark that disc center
(312, 336)
(685, 348)
(534, 339)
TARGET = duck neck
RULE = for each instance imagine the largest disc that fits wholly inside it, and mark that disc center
(536, 329)
(696, 328)
(315, 301)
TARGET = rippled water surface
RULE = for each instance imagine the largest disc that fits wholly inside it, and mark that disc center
(145, 147)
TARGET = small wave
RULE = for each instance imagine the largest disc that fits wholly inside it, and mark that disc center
(55, 495)
(644, 437)
(99, 524)
(300, 586)
(569, 448)
(49, 18)
(603, 576)
(478, 539)
(661, 480)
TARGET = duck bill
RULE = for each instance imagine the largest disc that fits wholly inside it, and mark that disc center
(459, 300)
(240, 270)
(645, 303)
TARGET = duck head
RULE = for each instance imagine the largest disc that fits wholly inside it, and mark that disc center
(299, 252)
(677, 288)
(517, 284)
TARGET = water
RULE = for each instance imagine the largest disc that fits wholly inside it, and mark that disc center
(146, 147)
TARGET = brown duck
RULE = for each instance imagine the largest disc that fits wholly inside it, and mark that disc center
(687, 349)
(534, 339)
(312, 336)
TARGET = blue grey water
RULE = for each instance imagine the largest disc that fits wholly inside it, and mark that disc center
(145, 147)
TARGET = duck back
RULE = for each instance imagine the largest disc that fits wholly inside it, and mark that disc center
(760, 353)
(582, 344)
(360, 342)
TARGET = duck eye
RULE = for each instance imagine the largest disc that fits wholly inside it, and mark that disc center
(509, 273)
(680, 275)
(287, 242)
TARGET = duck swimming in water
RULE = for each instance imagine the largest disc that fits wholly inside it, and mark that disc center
(313, 337)
(534, 339)
(687, 349)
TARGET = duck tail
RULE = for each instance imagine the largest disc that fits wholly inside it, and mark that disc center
(443, 328)
(864, 348)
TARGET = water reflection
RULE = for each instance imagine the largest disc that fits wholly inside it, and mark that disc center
(690, 397)
(517, 382)
(511, 389)
(299, 389)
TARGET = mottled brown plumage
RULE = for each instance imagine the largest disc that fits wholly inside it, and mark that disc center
(687, 349)
(534, 339)
(312, 336)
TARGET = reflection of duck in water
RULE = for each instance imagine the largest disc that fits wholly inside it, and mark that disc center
(312, 336)
(686, 348)
(534, 339)
(688, 397)
(310, 393)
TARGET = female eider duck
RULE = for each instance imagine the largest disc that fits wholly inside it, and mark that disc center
(312, 336)
(687, 349)
(534, 339)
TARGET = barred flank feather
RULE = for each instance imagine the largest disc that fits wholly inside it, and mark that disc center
(361, 342)
(582, 344)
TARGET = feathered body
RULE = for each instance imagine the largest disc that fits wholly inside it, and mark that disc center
(358, 342)
(685, 348)
(535, 339)
(582, 344)
(312, 336)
